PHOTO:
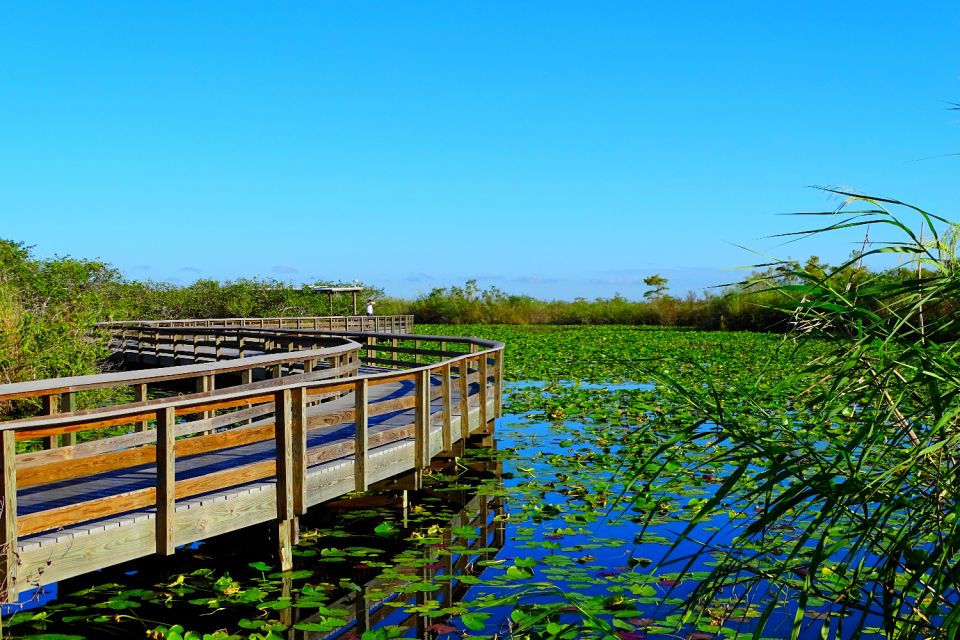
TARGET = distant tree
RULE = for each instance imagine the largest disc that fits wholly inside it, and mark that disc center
(658, 286)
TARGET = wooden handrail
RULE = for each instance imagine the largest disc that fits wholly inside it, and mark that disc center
(47, 386)
(462, 382)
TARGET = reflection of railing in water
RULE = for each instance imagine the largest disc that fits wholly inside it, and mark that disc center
(479, 513)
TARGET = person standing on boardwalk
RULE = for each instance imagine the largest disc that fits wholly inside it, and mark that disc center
(370, 304)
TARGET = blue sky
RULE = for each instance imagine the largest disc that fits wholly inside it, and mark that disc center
(555, 149)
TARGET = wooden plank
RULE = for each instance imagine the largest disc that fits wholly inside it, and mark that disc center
(51, 406)
(298, 448)
(284, 439)
(166, 480)
(93, 510)
(446, 393)
(483, 390)
(8, 524)
(498, 384)
(464, 388)
(87, 553)
(58, 471)
(361, 436)
(390, 363)
(141, 498)
(286, 535)
(37, 388)
(422, 420)
(68, 404)
(140, 395)
(440, 353)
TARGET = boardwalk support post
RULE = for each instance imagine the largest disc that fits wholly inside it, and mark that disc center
(484, 370)
(166, 480)
(68, 404)
(446, 395)
(140, 395)
(290, 429)
(8, 526)
(51, 406)
(421, 429)
(464, 381)
(361, 423)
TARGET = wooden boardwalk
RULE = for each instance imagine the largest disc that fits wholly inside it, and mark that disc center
(301, 416)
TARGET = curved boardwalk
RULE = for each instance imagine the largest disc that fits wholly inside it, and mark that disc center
(303, 416)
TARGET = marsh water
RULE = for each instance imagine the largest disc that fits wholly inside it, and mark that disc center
(544, 531)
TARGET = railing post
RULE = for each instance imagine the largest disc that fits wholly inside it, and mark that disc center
(361, 392)
(140, 395)
(446, 394)
(204, 384)
(241, 346)
(290, 435)
(483, 390)
(8, 530)
(498, 385)
(422, 420)
(51, 406)
(246, 377)
(299, 432)
(464, 383)
(217, 346)
(176, 342)
(68, 404)
(166, 480)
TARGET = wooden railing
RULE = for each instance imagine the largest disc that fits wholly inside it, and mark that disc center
(390, 324)
(313, 428)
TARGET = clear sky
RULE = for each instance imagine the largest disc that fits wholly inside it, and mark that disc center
(550, 148)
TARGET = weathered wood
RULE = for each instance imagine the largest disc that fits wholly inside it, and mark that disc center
(422, 420)
(68, 404)
(483, 390)
(405, 439)
(166, 480)
(298, 449)
(464, 388)
(446, 409)
(284, 439)
(39, 388)
(361, 436)
(51, 406)
(498, 384)
(8, 523)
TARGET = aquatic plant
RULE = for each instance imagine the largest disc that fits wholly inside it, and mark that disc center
(848, 493)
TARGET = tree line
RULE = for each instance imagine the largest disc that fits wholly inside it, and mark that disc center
(48, 306)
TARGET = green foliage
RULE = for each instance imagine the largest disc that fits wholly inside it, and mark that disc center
(854, 480)
(241, 298)
(755, 305)
(657, 284)
(48, 308)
